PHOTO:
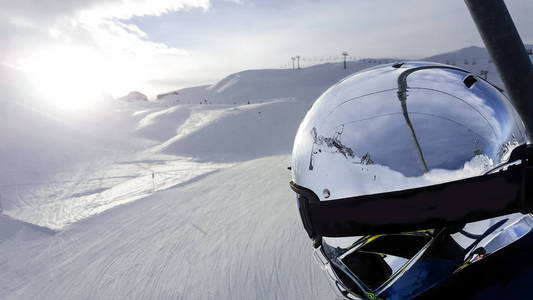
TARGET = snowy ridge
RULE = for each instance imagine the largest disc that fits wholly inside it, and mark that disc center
(261, 85)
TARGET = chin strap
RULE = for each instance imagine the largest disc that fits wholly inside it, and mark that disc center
(457, 202)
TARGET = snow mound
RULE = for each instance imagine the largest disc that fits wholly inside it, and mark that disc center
(133, 97)
(238, 133)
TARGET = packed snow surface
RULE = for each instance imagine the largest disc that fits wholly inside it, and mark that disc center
(214, 217)
(186, 197)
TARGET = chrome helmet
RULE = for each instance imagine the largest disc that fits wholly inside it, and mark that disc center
(407, 173)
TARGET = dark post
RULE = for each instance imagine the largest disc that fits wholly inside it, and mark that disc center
(344, 54)
(507, 52)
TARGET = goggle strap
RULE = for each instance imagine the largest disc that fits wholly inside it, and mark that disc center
(452, 203)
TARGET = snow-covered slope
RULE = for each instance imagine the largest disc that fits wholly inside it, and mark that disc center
(256, 86)
(164, 199)
(231, 235)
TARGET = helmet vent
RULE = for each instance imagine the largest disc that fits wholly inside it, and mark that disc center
(469, 81)
(397, 65)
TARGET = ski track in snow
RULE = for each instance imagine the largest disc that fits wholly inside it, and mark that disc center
(220, 237)
(228, 84)
(120, 183)
(195, 122)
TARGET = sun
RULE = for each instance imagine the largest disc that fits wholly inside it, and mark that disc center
(68, 77)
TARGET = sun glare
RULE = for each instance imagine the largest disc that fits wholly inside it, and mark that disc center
(70, 78)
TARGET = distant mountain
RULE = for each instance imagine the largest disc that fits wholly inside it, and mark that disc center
(474, 59)
(470, 53)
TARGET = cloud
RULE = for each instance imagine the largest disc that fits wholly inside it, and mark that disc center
(92, 30)
(238, 2)
(90, 22)
(126, 9)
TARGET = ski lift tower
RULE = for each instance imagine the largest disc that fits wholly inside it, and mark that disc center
(293, 58)
(298, 58)
(344, 54)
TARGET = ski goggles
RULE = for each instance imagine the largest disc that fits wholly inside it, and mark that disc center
(506, 191)
(386, 266)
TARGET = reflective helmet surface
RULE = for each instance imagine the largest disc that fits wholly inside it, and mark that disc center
(403, 126)
(397, 127)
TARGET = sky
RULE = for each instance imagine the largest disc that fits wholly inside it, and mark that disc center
(97, 47)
